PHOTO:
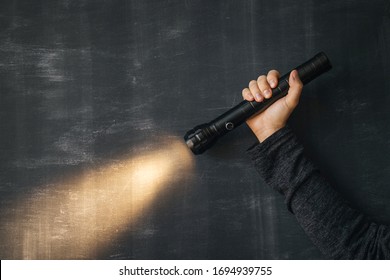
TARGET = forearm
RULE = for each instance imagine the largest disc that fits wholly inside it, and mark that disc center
(338, 230)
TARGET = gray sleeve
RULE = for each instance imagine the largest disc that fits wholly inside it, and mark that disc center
(338, 230)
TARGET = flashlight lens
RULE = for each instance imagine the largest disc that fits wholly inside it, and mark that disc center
(200, 138)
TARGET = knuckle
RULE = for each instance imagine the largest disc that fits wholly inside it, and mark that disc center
(261, 78)
(262, 83)
(273, 72)
(252, 83)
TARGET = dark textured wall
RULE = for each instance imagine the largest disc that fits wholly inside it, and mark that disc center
(87, 87)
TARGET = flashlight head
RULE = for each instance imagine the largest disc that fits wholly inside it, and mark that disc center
(200, 138)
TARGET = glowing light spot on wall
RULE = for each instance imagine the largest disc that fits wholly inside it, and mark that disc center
(81, 216)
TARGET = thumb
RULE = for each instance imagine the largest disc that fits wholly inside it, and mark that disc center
(294, 92)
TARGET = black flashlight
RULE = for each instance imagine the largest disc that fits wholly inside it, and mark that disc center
(203, 136)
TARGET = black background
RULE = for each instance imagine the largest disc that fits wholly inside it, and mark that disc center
(81, 82)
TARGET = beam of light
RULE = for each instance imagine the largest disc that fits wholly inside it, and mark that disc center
(75, 219)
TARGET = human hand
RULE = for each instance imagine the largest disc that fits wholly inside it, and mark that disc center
(275, 117)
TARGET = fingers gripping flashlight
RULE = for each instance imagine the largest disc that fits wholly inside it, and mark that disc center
(203, 136)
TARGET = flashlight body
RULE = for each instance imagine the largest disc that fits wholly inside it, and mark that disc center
(203, 136)
(245, 109)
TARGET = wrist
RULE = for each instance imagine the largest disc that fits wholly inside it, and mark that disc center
(263, 133)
